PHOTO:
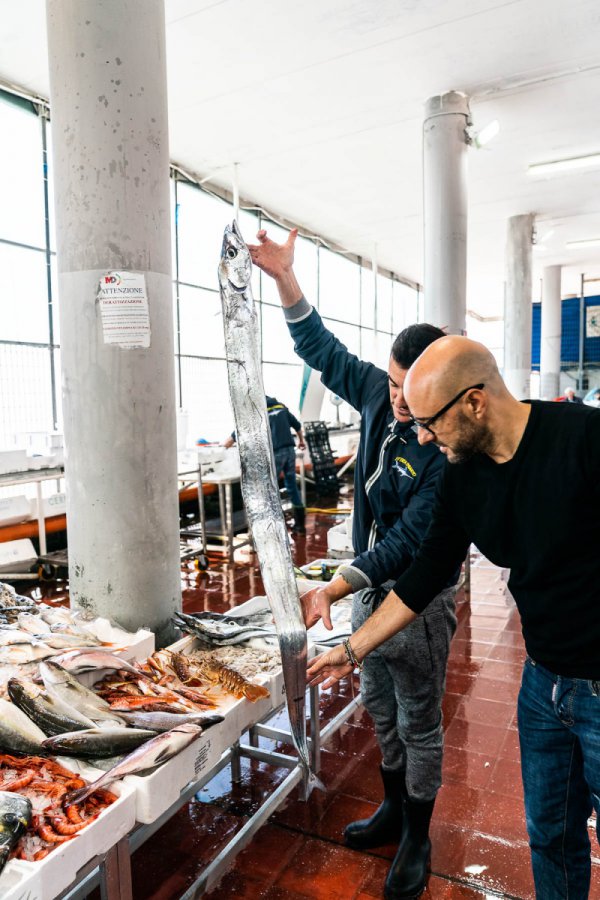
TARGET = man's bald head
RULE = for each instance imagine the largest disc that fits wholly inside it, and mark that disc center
(446, 367)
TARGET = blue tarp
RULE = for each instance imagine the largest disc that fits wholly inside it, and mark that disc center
(569, 344)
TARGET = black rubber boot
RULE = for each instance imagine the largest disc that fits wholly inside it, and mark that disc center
(385, 825)
(299, 526)
(407, 877)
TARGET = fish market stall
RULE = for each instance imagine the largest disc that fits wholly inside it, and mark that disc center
(54, 849)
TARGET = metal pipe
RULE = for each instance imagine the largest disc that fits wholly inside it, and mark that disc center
(551, 328)
(445, 154)
(581, 334)
(108, 88)
(517, 305)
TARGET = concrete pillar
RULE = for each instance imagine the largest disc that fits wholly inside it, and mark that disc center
(445, 149)
(111, 180)
(517, 306)
(550, 333)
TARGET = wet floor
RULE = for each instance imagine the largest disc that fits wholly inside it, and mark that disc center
(478, 831)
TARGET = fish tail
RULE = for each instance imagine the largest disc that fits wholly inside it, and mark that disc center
(309, 782)
(255, 692)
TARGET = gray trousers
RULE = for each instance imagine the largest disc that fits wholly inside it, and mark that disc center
(402, 686)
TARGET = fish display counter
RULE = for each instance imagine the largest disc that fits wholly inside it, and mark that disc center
(55, 846)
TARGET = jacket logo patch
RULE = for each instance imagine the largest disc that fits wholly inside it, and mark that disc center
(404, 467)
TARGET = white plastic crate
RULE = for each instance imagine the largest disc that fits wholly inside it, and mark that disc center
(45, 879)
(157, 791)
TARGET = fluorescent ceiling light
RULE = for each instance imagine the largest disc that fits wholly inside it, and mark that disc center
(564, 165)
(589, 242)
(486, 134)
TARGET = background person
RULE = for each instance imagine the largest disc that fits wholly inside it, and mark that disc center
(497, 497)
(402, 685)
(281, 421)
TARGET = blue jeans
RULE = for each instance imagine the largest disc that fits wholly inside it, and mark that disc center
(559, 732)
(285, 461)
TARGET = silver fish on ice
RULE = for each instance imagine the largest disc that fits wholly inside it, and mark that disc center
(259, 482)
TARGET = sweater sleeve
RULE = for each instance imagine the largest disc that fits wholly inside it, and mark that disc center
(592, 451)
(395, 552)
(441, 553)
(295, 424)
(341, 371)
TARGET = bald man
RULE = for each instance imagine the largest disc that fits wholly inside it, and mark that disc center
(521, 475)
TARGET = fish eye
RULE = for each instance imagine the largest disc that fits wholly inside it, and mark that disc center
(231, 253)
(10, 818)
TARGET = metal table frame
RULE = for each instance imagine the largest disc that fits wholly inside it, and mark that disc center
(35, 476)
(112, 871)
(225, 485)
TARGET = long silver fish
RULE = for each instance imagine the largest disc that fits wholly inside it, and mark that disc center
(15, 819)
(165, 721)
(78, 661)
(151, 754)
(62, 686)
(48, 714)
(98, 742)
(17, 732)
(259, 482)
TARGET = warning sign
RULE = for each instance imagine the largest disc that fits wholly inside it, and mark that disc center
(124, 309)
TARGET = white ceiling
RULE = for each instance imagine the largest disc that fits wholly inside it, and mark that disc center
(320, 103)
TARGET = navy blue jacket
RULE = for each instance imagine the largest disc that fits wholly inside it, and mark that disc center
(280, 421)
(395, 478)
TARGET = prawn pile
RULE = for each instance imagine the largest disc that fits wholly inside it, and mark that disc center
(45, 783)
(174, 682)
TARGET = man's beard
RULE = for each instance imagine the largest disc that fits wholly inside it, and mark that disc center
(470, 440)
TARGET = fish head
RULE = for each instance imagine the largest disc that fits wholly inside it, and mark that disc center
(186, 728)
(15, 816)
(235, 267)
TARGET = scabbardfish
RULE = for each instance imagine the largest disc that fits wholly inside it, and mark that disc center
(259, 482)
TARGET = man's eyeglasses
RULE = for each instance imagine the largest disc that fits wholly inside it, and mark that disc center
(427, 423)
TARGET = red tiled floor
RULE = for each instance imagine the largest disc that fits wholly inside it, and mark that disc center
(478, 833)
(325, 871)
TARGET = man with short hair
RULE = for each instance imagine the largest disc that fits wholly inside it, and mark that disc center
(522, 474)
(395, 481)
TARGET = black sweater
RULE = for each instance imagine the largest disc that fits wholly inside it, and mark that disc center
(538, 515)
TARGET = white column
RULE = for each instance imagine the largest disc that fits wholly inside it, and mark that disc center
(111, 179)
(517, 306)
(550, 333)
(445, 150)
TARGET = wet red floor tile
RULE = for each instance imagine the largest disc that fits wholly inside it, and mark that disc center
(488, 712)
(325, 871)
(477, 736)
(465, 767)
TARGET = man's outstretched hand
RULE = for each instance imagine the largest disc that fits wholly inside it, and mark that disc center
(316, 605)
(275, 259)
(329, 668)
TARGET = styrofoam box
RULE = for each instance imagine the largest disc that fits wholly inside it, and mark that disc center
(45, 879)
(13, 461)
(128, 645)
(157, 791)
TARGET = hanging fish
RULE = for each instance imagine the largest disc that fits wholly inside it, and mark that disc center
(259, 482)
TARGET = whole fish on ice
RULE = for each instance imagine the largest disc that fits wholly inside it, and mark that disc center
(15, 819)
(259, 482)
(153, 753)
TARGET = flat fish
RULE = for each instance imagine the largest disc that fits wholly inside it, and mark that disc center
(259, 483)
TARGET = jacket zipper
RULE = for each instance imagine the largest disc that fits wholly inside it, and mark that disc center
(373, 531)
